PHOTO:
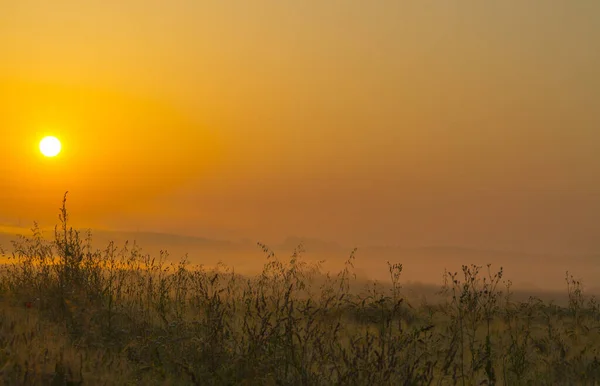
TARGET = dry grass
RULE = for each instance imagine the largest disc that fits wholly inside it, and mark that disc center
(71, 315)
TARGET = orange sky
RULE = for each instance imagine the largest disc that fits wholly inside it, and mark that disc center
(466, 123)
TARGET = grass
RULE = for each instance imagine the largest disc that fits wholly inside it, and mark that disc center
(70, 315)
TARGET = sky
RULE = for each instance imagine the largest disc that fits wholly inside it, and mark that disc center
(467, 123)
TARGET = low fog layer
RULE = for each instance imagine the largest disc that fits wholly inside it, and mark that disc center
(532, 273)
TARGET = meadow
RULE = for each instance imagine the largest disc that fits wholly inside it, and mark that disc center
(71, 315)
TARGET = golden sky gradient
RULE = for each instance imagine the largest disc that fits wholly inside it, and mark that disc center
(397, 122)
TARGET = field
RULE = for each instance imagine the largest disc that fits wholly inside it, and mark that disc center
(72, 315)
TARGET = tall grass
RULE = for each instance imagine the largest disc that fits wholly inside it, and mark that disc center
(73, 315)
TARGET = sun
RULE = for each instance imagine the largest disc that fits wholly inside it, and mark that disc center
(50, 146)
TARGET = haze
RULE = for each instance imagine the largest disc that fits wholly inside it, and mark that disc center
(415, 124)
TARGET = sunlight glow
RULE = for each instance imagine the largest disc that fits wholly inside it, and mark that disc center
(50, 146)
